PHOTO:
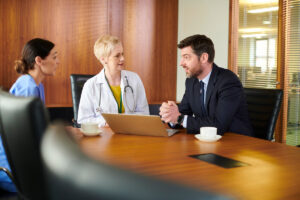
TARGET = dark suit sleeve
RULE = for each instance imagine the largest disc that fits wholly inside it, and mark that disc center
(184, 106)
(226, 102)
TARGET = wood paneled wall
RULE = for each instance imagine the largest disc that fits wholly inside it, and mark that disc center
(148, 29)
(150, 42)
(73, 25)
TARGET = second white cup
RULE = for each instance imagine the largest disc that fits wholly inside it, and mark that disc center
(90, 128)
(208, 132)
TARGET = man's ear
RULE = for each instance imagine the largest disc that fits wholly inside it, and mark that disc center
(38, 60)
(204, 57)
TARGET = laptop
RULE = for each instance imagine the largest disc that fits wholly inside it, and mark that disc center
(137, 124)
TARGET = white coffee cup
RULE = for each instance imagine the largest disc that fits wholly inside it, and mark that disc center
(208, 132)
(90, 128)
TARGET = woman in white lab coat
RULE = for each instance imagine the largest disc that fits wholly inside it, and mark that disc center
(113, 90)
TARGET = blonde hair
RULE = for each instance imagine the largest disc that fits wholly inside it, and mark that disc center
(104, 45)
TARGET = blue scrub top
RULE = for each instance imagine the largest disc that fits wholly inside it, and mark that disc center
(5, 181)
(24, 86)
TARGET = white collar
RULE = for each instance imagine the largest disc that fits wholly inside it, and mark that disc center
(206, 78)
(100, 78)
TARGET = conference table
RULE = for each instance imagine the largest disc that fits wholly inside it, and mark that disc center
(271, 170)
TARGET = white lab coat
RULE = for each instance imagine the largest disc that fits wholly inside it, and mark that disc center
(89, 101)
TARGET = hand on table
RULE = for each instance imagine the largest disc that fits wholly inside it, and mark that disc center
(169, 112)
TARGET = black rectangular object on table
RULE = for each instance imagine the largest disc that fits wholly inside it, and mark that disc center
(219, 160)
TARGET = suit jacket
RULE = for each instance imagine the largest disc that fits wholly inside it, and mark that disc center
(225, 104)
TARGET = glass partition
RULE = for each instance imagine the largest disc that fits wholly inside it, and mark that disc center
(258, 30)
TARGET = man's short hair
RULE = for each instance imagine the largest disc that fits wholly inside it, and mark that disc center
(200, 44)
(104, 45)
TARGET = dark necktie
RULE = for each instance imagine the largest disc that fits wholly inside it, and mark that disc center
(203, 110)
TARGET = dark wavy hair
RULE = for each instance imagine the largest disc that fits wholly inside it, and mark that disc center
(200, 44)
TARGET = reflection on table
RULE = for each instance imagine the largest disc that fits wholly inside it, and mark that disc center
(273, 170)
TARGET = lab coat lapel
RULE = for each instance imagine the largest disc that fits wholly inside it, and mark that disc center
(107, 91)
(122, 85)
(127, 98)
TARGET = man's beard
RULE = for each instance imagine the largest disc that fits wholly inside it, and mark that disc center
(194, 73)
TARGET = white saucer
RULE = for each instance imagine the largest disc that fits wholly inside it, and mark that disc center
(90, 133)
(199, 137)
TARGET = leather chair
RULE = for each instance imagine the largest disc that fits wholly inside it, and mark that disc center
(23, 121)
(263, 106)
(77, 82)
(72, 175)
(154, 109)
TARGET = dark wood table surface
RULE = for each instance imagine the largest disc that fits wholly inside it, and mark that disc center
(273, 171)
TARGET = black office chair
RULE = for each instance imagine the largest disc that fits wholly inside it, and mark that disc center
(22, 124)
(154, 109)
(77, 82)
(263, 106)
(72, 175)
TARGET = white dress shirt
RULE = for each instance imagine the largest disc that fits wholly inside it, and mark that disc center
(205, 81)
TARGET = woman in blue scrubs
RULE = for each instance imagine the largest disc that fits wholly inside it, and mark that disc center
(39, 59)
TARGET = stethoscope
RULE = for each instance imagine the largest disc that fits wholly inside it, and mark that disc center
(126, 88)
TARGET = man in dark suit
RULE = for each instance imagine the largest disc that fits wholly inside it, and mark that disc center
(213, 96)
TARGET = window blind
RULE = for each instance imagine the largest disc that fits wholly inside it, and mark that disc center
(257, 43)
(291, 13)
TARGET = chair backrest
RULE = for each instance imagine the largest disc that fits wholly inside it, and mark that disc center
(263, 107)
(75, 176)
(77, 82)
(154, 109)
(23, 121)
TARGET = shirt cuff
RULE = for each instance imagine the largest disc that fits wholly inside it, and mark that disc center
(184, 123)
(172, 125)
